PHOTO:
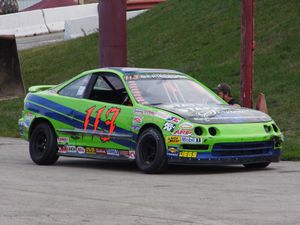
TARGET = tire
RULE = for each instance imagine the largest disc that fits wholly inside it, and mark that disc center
(43, 145)
(151, 152)
(257, 165)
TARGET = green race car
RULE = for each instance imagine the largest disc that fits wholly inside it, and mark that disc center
(153, 116)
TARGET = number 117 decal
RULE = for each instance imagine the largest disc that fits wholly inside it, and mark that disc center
(109, 122)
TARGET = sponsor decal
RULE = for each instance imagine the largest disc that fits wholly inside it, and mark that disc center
(139, 98)
(135, 127)
(62, 140)
(71, 149)
(80, 91)
(183, 132)
(169, 127)
(148, 112)
(191, 140)
(25, 123)
(173, 119)
(131, 154)
(139, 111)
(29, 116)
(125, 153)
(100, 151)
(137, 94)
(162, 115)
(173, 140)
(185, 154)
(154, 76)
(186, 125)
(28, 119)
(63, 149)
(52, 91)
(134, 89)
(21, 128)
(218, 114)
(137, 119)
(114, 152)
(132, 84)
(90, 150)
(132, 77)
(80, 150)
(172, 151)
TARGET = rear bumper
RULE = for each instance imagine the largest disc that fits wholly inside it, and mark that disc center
(208, 158)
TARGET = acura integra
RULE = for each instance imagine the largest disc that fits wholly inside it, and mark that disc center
(153, 116)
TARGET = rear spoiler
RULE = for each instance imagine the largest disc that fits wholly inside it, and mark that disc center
(40, 88)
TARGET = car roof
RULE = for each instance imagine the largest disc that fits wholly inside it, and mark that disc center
(144, 71)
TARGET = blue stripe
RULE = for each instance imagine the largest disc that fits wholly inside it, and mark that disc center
(50, 104)
(77, 115)
(53, 115)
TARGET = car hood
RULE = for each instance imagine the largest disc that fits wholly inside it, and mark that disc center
(216, 114)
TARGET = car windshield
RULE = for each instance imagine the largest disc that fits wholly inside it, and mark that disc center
(157, 91)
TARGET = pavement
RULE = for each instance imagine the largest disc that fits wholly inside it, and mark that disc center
(40, 40)
(82, 191)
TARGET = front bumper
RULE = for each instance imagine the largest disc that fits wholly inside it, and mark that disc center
(208, 158)
(229, 153)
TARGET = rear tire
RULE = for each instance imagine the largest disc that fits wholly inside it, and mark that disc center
(151, 152)
(257, 165)
(43, 145)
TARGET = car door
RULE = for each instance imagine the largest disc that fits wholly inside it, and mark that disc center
(107, 117)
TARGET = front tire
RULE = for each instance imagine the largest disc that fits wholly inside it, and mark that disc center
(151, 152)
(257, 165)
(43, 145)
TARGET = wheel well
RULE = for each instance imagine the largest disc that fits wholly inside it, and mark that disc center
(38, 121)
(149, 125)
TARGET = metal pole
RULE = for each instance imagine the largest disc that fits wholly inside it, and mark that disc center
(112, 33)
(247, 52)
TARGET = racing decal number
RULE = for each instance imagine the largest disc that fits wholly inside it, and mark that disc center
(99, 113)
(109, 122)
(87, 118)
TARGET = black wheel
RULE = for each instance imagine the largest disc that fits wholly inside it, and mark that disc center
(43, 145)
(257, 165)
(151, 152)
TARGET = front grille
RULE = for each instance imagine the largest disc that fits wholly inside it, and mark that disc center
(245, 148)
(195, 147)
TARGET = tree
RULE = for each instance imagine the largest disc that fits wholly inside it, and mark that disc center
(8, 6)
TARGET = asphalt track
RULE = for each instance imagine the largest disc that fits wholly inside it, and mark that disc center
(79, 191)
(40, 40)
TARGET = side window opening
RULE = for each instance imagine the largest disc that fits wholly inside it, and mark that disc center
(76, 89)
(109, 88)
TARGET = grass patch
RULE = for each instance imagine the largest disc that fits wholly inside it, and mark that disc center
(199, 37)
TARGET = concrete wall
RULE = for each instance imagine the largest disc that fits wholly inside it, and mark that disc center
(78, 20)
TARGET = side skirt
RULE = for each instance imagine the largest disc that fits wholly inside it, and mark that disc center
(96, 153)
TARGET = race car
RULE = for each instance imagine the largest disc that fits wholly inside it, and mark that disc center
(153, 116)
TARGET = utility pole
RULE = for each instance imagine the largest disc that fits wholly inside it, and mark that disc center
(247, 53)
(112, 33)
